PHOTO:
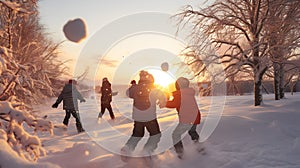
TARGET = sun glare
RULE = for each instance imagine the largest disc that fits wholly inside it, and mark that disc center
(163, 79)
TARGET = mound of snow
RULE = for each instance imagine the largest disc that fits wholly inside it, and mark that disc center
(10, 159)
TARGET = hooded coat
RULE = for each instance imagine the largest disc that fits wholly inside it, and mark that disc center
(185, 103)
(145, 97)
(106, 93)
(70, 96)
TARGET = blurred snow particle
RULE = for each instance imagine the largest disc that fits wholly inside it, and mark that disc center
(75, 30)
(87, 153)
(164, 66)
(296, 146)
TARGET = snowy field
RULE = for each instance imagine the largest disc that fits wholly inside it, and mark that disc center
(246, 136)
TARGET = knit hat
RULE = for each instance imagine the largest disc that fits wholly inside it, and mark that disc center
(182, 83)
(104, 79)
(133, 82)
(146, 76)
(73, 81)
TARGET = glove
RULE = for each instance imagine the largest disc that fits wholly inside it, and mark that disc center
(55, 105)
(83, 100)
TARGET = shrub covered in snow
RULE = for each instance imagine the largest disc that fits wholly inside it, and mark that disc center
(29, 67)
(12, 131)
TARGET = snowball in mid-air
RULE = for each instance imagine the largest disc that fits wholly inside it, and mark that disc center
(164, 66)
(75, 30)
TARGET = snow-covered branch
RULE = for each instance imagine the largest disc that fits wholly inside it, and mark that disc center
(28, 146)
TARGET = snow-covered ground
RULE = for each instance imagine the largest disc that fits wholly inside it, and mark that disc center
(246, 136)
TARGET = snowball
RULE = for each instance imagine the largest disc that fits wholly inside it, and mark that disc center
(75, 30)
(164, 66)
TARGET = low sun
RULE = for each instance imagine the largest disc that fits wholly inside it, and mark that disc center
(161, 78)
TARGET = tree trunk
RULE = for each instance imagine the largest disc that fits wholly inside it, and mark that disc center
(292, 88)
(276, 81)
(258, 88)
(281, 81)
(265, 89)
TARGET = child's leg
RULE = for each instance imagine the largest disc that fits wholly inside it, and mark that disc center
(154, 131)
(137, 134)
(102, 111)
(79, 127)
(67, 117)
(195, 137)
(109, 108)
(193, 133)
(176, 136)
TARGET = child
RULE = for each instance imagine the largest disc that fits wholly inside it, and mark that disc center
(106, 98)
(145, 97)
(189, 115)
(70, 95)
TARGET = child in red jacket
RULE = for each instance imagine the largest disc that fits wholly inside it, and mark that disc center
(189, 115)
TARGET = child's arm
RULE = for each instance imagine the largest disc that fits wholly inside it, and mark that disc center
(175, 103)
(78, 95)
(130, 91)
(58, 100)
(159, 95)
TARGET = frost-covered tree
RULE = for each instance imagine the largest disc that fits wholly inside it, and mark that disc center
(32, 68)
(235, 29)
(283, 36)
(29, 72)
(291, 74)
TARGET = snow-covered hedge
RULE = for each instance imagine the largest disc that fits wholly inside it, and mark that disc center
(26, 145)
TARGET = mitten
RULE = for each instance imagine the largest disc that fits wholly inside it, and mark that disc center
(55, 105)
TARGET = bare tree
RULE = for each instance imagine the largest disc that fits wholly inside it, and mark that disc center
(234, 28)
(283, 37)
(292, 74)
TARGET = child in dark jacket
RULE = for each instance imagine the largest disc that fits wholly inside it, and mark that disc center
(70, 95)
(145, 98)
(189, 115)
(106, 98)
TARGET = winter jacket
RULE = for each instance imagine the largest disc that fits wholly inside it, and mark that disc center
(145, 97)
(106, 93)
(185, 103)
(69, 95)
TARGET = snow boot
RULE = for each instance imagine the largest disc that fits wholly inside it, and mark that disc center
(125, 153)
(100, 115)
(79, 128)
(180, 155)
(199, 147)
(147, 157)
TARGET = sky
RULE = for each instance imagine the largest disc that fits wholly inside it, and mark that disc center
(117, 30)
